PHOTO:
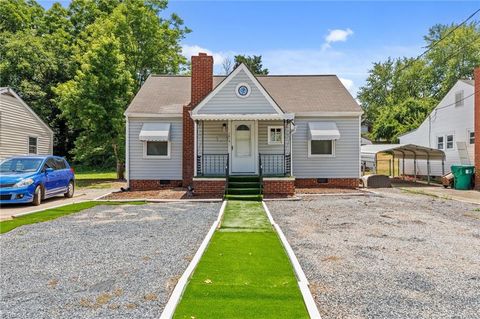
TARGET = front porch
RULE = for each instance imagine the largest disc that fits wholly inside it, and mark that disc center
(243, 147)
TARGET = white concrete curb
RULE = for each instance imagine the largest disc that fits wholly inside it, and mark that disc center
(301, 278)
(177, 293)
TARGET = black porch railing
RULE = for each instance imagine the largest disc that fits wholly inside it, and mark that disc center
(275, 164)
(212, 164)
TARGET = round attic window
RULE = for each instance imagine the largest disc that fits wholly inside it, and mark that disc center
(242, 90)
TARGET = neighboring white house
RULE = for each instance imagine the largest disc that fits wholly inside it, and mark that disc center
(22, 132)
(450, 128)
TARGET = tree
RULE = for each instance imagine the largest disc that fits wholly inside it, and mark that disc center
(423, 81)
(254, 63)
(227, 65)
(95, 99)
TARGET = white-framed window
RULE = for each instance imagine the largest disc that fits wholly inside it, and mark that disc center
(156, 149)
(32, 145)
(471, 137)
(321, 148)
(275, 135)
(440, 142)
(449, 139)
(458, 98)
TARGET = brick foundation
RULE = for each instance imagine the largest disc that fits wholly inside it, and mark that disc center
(278, 187)
(209, 187)
(152, 184)
(331, 183)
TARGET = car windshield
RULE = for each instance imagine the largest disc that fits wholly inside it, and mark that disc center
(20, 165)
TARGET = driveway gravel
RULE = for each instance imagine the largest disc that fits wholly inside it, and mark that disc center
(104, 262)
(391, 255)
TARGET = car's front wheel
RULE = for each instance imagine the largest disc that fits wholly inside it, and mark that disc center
(37, 196)
(70, 190)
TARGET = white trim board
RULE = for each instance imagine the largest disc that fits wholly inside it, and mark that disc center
(177, 293)
(301, 278)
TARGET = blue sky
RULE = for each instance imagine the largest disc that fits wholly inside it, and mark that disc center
(314, 37)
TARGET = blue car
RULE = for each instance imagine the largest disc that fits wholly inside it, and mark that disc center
(31, 179)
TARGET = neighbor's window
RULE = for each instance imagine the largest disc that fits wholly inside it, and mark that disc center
(440, 142)
(156, 148)
(459, 98)
(321, 147)
(471, 137)
(275, 135)
(32, 145)
(449, 141)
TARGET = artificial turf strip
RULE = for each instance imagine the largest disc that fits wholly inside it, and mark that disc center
(245, 216)
(243, 274)
(49, 214)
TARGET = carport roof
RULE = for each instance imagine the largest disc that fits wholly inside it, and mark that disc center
(410, 151)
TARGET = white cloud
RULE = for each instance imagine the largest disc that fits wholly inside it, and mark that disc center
(347, 83)
(189, 50)
(338, 35)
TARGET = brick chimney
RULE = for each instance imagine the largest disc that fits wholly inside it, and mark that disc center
(201, 86)
(476, 113)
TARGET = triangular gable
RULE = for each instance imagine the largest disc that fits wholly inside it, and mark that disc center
(224, 99)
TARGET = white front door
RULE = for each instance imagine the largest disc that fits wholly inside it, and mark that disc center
(243, 147)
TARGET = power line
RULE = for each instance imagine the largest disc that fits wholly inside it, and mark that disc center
(440, 40)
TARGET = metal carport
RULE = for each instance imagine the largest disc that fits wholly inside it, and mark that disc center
(414, 152)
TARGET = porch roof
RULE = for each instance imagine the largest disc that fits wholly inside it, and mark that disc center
(243, 117)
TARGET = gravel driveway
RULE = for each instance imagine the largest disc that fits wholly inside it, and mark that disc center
(395, 255)
(105, 262)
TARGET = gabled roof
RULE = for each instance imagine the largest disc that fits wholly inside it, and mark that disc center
(242, 67)
(12, 93)
(167, 94)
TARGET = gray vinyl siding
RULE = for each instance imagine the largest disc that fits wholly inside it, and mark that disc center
(17, 123)
(226, 100)
(155, 169)
(263, 146)
(216, 141)
(345, 163)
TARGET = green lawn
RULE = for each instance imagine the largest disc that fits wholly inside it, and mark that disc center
(244, 273)
(94, 177)
(90, 173)
(49, 214)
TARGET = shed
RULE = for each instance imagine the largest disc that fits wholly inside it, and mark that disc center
(413, 152)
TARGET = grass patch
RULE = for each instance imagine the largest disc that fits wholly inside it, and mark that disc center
(244, 273)
(245, 216)
(421, 192)
(86, 173)
(49, 214)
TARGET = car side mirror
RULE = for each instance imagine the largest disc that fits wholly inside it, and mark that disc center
(48, 170)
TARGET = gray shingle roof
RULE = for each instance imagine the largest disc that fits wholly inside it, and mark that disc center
(293, 93)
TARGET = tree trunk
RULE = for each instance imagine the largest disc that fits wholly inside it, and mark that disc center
(120, 164)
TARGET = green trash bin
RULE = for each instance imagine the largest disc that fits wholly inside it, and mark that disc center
(463, 176)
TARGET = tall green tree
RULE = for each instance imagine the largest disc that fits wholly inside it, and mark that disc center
(424, 81)
(40, 49)
(95, 99)
(254, 63)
